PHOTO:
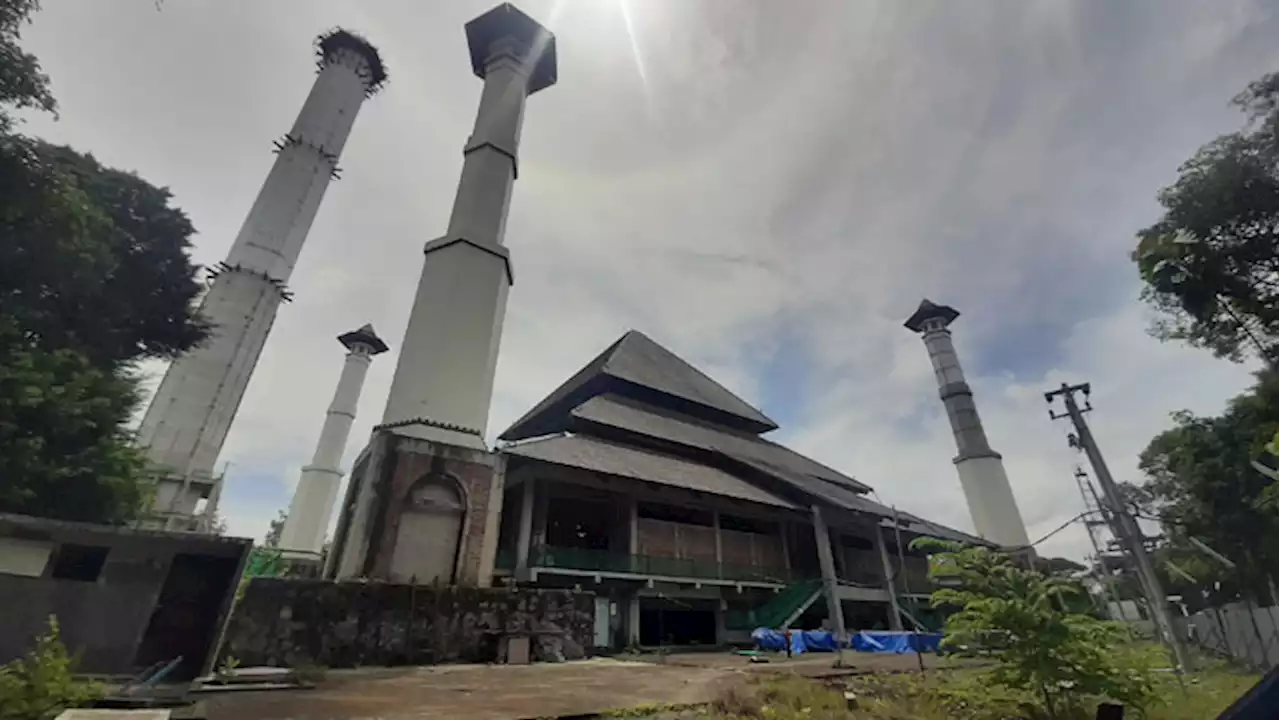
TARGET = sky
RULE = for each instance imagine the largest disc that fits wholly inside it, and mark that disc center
(768, 189)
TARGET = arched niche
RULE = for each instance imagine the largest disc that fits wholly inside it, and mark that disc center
(430, 531)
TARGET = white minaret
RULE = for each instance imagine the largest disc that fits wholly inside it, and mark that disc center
(191, 412)
(443, 380)
(986, 487)
(303, 533)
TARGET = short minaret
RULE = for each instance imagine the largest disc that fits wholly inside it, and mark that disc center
(303, 535)
(982, 477)
(425, 496)
(189, 416)
(443, 380)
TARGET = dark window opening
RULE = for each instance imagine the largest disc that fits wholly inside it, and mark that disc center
(582, 524)
(857, 543)
(82, 563)
(741, 524)
(670, 513)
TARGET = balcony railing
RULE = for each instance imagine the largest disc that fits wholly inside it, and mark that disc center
(606, 561)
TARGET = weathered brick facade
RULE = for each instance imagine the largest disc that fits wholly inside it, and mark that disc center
(479, 477)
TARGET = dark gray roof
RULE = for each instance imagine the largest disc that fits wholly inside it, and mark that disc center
(638, 418)
(927, 311)
(603, 456)
(916, 525)
(366, 335)
(795, 471)
(635, 366)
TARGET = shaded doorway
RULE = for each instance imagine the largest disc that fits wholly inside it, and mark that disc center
(185, 619)
(667, 621)
(429, 530)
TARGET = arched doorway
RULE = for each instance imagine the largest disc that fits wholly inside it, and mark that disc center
(430, 528)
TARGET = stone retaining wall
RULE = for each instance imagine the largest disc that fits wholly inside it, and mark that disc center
(289, 623)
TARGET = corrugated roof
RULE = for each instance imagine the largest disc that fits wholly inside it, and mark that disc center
(629, 415)
(797, 471)
(594, 454)
(633, 364)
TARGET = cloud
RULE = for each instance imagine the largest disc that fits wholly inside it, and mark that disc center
(768, 189)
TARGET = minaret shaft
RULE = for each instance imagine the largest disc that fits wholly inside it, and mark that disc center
(982, 477)
(191, 413)
(449, 356)
(317, 490)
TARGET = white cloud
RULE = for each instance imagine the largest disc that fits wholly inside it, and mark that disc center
(768, 173)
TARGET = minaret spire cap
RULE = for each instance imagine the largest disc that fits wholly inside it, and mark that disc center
(364, 336)
(337, 40)
(506, 21)
(929, 311)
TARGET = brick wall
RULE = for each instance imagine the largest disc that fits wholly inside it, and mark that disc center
(474, 472)
(288, 623)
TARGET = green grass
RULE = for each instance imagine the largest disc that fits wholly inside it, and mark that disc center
(961, 694)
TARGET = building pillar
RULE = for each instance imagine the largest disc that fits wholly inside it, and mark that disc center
(786, 548)
(192, 410)
(895, 612)
(715, 524)
(302, 539)
(822, 538)
(633, 620)
(528, 495)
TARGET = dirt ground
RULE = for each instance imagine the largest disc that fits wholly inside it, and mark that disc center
(501, 692)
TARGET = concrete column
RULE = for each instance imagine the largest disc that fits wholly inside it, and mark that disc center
(442, 387)
(715, 520)
(312, 506)
(492, 521)
(786, 548)
(986, 487)
(822, 538)
(895, 612)
(192, 410)
(528, 495)
(633, 619)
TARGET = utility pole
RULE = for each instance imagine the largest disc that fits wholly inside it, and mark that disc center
(1091, 504)
(1124, 525)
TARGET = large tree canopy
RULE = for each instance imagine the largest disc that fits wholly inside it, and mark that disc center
(1209, 263)
(119, 286)
(94, 275)
(1202, 482)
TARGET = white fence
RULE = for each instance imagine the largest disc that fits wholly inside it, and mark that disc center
(1242, 631)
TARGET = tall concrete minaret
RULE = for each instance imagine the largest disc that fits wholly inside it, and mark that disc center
(191, 412)
(443, 380)
(425, 496)
(986, 487)
(303, 535)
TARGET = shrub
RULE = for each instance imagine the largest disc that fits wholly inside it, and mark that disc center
(1010, 615)
(42, 684)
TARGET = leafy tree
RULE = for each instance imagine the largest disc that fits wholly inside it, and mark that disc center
(1209, 263)
(63, 453)
(94, 275)
(275, 530)
(1010, 615)
(124, 288)
(22, 84)
(1202, 482)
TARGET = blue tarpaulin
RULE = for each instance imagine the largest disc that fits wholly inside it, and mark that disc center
(825, 641)
(895, 642)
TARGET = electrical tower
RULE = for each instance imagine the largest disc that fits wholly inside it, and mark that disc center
(1123, 525)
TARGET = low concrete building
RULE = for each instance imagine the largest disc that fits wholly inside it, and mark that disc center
(647, 483)
(125, 599)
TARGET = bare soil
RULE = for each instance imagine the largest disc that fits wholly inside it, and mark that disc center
(502, 692)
